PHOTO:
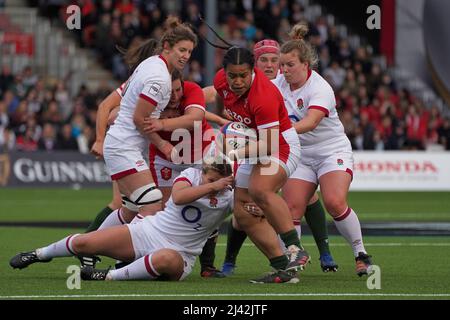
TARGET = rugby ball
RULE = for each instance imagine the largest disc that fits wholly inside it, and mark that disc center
(236, 135)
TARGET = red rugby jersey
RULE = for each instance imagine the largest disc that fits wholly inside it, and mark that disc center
(193, 97)
(260, 107)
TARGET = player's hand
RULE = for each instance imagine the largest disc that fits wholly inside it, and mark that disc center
(233, 155)
(224, 122)
(223, 183)
(97, 149)
(113, 115)
(253, 209)
(152, 125)
(167, 149)
(169, 113)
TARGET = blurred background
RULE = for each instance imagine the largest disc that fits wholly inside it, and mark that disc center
(387, 61)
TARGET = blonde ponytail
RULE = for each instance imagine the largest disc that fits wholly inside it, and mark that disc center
(299, 31)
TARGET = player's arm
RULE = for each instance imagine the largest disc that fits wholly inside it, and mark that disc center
(185, 121)
(320, 105)
(104, 118)
(144, 108)
(221, 121)
(210, 94)
(184, 193)
(310, 122)
(267, 144)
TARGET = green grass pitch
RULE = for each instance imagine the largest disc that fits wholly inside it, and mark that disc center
(49, 204)
(411, 267)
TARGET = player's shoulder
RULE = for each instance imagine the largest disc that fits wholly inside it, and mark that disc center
(280, 82)
(189, 86)
(193, 175)
(318, 83)
(220, 80)
(192, 95)
(153, 66)
(263, 91)
(263, 84)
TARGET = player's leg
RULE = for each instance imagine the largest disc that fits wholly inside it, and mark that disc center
(114, 242)
(263, 190)
(257, 228)
(207, 257)
(142, 191)
(235, 239)
(115, 204)
(264, 237)
(265, 182)
(165, 264)
(297, 193)
(316, 218)
(166, 192)
(334, 187)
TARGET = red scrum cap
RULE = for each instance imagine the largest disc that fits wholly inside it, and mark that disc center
(266, 46)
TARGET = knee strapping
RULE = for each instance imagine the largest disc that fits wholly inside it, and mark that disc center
(127, 203)
(145, 195)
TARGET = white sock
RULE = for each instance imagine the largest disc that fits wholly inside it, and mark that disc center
(61, 248)
(349, 227)
(141, 269)
(114, 219)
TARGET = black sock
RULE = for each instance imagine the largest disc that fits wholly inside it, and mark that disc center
(208, 254)
(290, 238)
(101, 216)
(235, 239)
(279, 262)
(317, 222)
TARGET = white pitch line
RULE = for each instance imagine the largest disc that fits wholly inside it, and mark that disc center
(381, 244)
(425, 295)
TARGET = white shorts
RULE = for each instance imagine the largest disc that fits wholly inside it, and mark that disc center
(318, 161)
(288, 161)
(147, 240)
(165, 172)
(123, 160)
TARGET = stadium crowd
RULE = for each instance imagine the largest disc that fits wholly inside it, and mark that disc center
(377, 115)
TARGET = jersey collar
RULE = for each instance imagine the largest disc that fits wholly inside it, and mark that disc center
(165, 61)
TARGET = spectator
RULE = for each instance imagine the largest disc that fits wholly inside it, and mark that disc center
(4, 119)
(29, 79)
(78, 124)
(65, 140)
(26, 142)
(62, 98)
(125, 6)
(11, 101)
(85, 140)
(6, 79)
(52, 114)
(20, 116)
(367, 132)
(335, 75)
(7, 139)
(444, 133)
(415, 129)
(48, 142)
(376, 113)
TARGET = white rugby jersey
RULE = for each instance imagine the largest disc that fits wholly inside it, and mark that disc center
(316, 93)
(188, 226)
(150, 81)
